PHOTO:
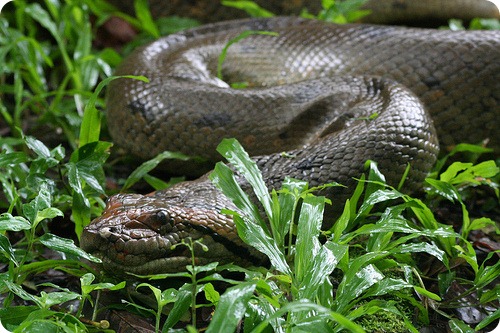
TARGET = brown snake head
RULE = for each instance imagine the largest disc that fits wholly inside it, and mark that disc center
(142, 234)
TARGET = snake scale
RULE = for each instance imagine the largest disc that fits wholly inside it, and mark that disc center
(331, 96)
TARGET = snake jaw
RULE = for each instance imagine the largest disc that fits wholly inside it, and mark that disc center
(144, 239)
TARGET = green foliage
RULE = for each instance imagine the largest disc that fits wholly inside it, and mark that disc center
(332, 11)
(301, 268)
(250, 7)
(339, 11)
(475, 24)
(51, 70)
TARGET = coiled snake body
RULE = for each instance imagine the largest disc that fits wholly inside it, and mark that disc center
(331, 96)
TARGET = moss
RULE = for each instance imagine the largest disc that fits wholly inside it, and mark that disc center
(381, 322)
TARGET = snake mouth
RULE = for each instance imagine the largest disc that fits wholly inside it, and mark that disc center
(142, 257)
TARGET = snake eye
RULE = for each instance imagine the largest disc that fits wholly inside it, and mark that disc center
(165, 221)
(163, 217)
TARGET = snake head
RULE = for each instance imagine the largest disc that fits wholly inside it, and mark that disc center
(144, 235)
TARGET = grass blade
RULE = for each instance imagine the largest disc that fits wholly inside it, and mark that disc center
(91, 122)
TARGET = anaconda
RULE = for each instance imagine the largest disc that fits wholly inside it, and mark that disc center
(331, 96)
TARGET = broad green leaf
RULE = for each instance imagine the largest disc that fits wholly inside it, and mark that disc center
(468, 254)
(8, 159)
(81, 204)
(14, 315)
(159, 184)
(57, 297)
(270, 290)
(378, 196)
(42, 201)
(444, 189)
(307, 244)
(49, 213)
(342, 222)
(253, 234)
(17, 290)
(13, 223)
(285, 206)
(95, 152)
(428, 248)
(203, 268)
(66, 246)
(87, 287)
(211, 294)
(427, 293)
(486, 169)
(222, 177)
(180, 307)
(458, 326)
(86, 167)
(387, 286)
(238, 157)
(376, 179)
(491, 295)
(320, 268)
(487, 274)
(162, 297)
(479, 223)
(460, 172)
(231, 308)
(356, 196)
(7, 250)
(356, 282)
(453, 170)
(309, 307)
(38, 147)
(484, 24)
(359, 275)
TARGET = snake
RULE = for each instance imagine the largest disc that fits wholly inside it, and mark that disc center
(319, 100)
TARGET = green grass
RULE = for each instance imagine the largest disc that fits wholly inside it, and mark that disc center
(365, 273)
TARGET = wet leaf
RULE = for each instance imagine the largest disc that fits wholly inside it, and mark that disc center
(66, 246)
(13, 223)
(231, 308)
